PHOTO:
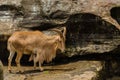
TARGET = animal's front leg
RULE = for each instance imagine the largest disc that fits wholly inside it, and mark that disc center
(18, 58)
(10, 60)
(41, 68)
(32, 57)
(38, 57)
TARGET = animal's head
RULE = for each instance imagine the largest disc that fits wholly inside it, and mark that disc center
(61, 39)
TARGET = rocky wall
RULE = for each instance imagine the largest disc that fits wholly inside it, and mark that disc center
(92, 26)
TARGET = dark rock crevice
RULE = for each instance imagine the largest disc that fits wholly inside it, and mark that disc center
(88, 33)
(115, 13)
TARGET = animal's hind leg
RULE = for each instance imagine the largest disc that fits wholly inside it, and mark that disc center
(10, 60)
(34, 61)
(18, 58)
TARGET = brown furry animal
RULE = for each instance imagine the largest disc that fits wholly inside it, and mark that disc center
(35, 42)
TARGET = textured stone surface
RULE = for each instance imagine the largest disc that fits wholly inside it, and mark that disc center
(80, 70)
(58, 12)
(86, 33)
(93, 48)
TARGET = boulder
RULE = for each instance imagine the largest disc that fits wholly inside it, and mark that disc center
(79, 70)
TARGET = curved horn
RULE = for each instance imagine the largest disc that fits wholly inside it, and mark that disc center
(56, 30)
(62, 32)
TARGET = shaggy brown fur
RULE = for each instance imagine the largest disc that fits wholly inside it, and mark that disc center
(35, 42)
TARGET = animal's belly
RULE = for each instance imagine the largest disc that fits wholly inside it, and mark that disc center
(27, 52)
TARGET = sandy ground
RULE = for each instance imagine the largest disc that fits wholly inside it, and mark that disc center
(69, 71)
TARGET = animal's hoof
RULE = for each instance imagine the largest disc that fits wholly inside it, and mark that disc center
(10, 71)
(20, 72)
(34, 68)
(41, 69)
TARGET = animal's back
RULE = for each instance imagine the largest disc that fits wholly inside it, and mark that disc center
(24, 39)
